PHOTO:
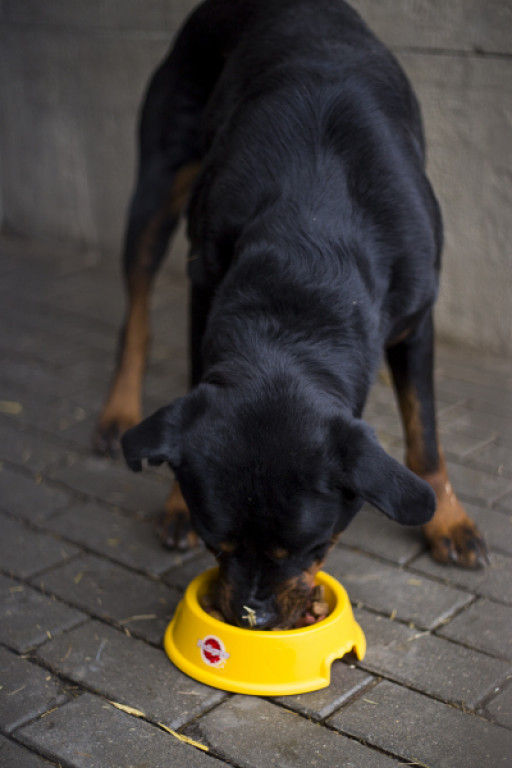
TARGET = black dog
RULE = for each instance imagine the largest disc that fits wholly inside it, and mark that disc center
(315, 245)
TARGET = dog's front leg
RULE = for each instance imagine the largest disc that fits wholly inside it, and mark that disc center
(174, 528)
(452, 535)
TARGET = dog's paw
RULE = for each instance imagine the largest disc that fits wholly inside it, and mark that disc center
(109, 430)
(176, 532)
(452, 535)
(462, 545)
(173, 527)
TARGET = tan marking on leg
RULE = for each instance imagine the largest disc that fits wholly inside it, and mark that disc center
(411, 417)
(401, 337)
(174, 526)
(182, 187)
(122, 409)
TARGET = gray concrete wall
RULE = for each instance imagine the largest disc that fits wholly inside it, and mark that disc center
(72, 75)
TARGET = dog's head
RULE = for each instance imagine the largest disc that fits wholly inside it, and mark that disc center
(270, 483)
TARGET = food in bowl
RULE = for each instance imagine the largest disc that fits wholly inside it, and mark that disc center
(317, 608)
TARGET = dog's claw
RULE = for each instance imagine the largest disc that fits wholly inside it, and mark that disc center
(108, 442)
(108, 434)
(465, 546)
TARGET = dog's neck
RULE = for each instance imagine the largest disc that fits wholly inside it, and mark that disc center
(309, 329)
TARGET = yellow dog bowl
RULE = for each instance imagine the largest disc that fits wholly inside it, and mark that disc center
(261, 662)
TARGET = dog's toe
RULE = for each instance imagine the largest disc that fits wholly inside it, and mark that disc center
(175, 532)
(107, 440)
(462, 545)
(109, 431)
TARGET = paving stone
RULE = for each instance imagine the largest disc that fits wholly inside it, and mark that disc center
(476, 422)
(463, 432)
(462, 364)
(56, 261)
(179, 578)
(113, 482)
(36, 342)
(27, 691)
(14, 756)
(383, 588)
(498, 406)
(505, 503)
(80, 433)
(493, 399)
(494, 581)
(495, 457)
(24, 552)
(28, 496)
(85, 294)
(167, 379)
(485, 626)
(500, 707)
(25, 449)
(96, 369)
(376, 534)
(346, 682)
(251, 733)
(28, 618)
(111, 592)
(88, 732)
(430, 664)
(476, 486)
(55, 414)
(394, 718)
(33, 378)
(125, 539)
(457, 445)
(389, 431)
(129, 672)
(61, 325)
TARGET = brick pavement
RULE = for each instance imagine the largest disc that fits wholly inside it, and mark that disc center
(86, 591)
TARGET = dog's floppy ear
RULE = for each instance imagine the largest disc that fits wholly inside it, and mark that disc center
(370, 472)
(157, 439)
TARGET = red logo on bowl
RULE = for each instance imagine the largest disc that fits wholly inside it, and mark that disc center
(213, 652)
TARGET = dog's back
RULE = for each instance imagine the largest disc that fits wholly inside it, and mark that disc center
(314, 164)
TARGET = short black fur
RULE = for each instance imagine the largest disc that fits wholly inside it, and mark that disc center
(315, 244)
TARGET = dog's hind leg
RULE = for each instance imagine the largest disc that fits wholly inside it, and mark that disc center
(169, 157)
(147, 237)
(452, 535)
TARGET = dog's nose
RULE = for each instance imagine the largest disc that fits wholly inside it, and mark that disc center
(257, 615)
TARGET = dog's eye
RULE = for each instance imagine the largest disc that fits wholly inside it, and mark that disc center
(279, 553)
(227, 547)
(222, 549)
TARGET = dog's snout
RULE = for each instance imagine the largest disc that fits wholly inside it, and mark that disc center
(256, 614)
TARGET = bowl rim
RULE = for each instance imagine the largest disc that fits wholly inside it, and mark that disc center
(321, 577)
